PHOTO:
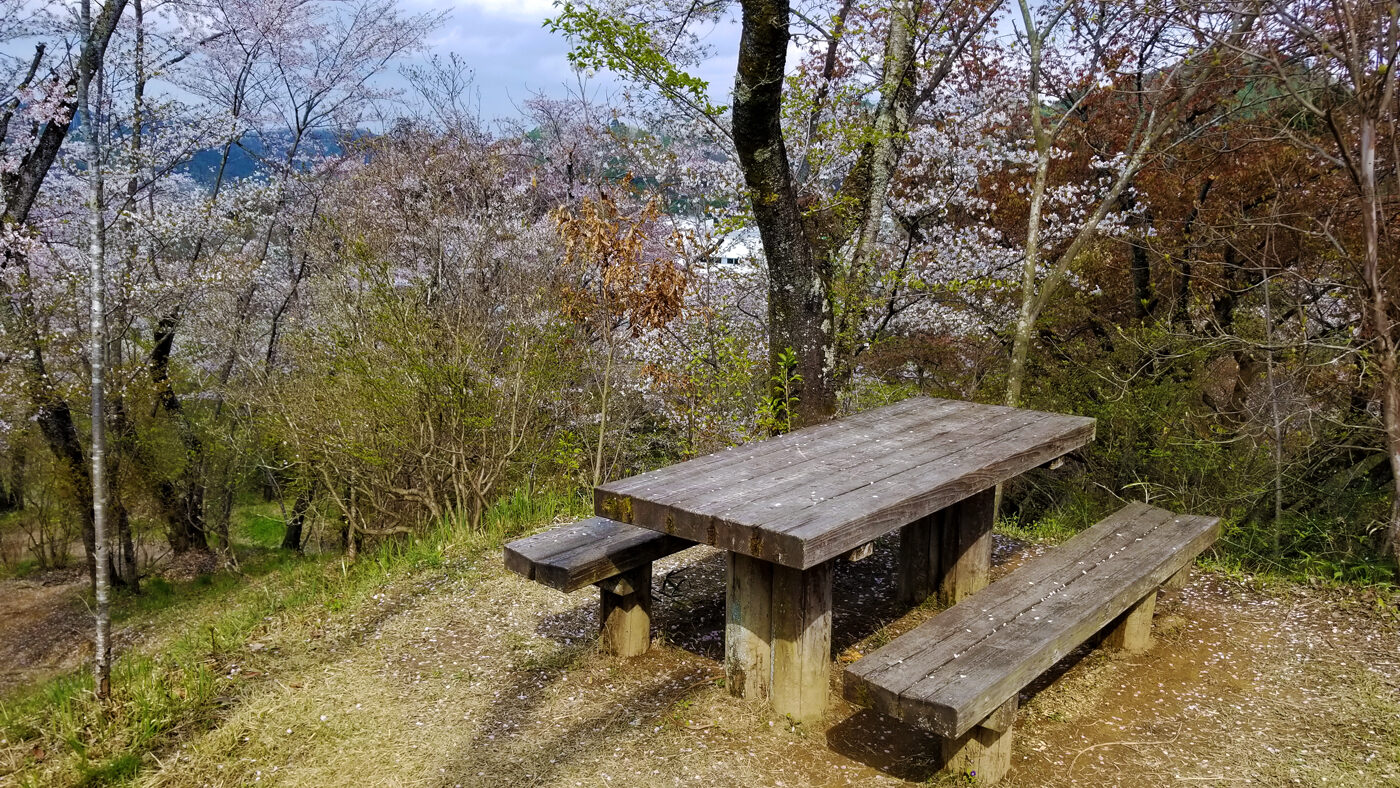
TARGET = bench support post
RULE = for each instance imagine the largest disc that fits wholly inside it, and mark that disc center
(748, 626)
(984, 752)
(802, 641)
(626, 612)
(1179, 580)
(1133, 630)
(965, 549)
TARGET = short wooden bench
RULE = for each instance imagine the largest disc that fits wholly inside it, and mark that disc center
(613, 556)
(960, 673)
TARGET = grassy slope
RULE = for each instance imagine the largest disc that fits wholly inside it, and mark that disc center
(201, 644)
(429, 664)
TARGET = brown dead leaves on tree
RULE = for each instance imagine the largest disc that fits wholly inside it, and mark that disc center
(621, 278)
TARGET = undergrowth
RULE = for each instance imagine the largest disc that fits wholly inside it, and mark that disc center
(201, 641)
(1367, 581)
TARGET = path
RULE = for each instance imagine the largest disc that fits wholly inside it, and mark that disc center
(44, 626)
(481, 678)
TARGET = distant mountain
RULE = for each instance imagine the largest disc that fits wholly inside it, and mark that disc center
(248, 158)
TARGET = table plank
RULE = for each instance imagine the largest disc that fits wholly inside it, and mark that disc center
(819, 492)
(777, 474)
(860, 514)
(797, 499)
(879, 454)
(738, 522)
(719, 467)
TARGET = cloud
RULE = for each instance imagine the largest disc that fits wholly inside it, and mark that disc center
(522, 10)
(513, 56)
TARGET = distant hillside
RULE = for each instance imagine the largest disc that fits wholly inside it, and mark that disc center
(250, 155)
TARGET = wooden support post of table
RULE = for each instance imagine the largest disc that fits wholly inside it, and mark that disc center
(1133, 630)
(965, 547)
(626, 612)
(748, 626)
(919, 571)
(801, 641)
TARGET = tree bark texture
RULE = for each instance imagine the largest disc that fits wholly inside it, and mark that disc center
(291, 538)
(799, 303)
(90, 78)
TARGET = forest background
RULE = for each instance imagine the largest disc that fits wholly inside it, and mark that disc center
(381, 315)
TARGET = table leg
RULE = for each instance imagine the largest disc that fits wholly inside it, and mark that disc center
(801, 641)
(965, 549)
(919, 572)
(748, 626)
(777, 635)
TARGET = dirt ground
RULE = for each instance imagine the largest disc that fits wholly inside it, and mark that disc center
(476, 677)
(44, 626)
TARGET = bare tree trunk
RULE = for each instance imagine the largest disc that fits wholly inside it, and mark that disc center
(602, 415)
(13, 498)
(1276, 422)
(1379, 296)
(90, 78)
(19, 188)
(891, 123)
(1026, 315)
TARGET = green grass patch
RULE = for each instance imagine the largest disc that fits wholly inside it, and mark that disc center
(198, 647)
(1052, 529)
(20, 568)
(259, 524)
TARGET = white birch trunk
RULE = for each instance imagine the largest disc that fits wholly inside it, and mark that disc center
(90, 79)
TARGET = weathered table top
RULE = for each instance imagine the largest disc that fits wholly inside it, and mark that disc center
(813, 494)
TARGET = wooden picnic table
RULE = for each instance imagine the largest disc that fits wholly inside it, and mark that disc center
(784, 508)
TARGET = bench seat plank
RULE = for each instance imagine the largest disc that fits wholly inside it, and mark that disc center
(949, 673)
(572, 556)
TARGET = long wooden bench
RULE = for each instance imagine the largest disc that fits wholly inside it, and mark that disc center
(960, 673)
(613, 556)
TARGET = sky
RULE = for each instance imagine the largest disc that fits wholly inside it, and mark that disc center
(514, 56)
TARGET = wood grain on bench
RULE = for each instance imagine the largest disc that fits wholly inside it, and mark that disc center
(950, 673)
(570, 557)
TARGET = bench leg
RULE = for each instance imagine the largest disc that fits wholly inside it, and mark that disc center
(984, 752)
(748, 626)
(966, 547)
(1133, 630)
(802, 641)
(1179, 580)
(626, 612)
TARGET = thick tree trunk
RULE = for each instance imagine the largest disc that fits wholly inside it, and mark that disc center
(799, 302)
(291, 538)
(182, 500)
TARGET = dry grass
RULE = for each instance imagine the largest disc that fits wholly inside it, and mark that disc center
(463, 674)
